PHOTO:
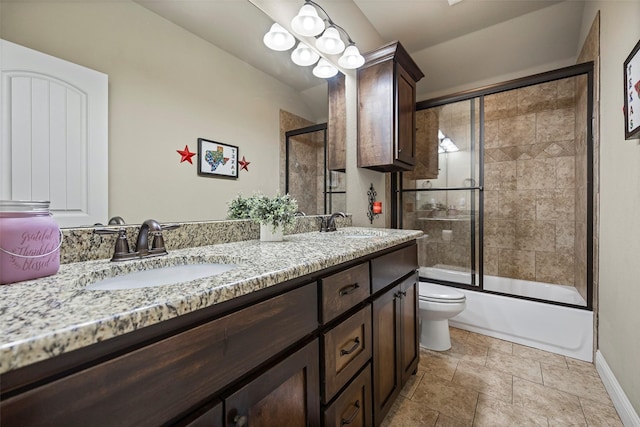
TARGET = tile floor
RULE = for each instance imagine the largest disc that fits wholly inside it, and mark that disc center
(484, 381)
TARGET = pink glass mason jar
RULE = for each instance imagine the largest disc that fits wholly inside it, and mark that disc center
(30, 241)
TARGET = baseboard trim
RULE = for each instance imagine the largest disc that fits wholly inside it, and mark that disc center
(627, 413)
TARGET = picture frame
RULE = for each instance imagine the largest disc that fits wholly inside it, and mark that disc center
(217, 159)
(632, 94)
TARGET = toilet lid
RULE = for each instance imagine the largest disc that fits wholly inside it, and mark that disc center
(433, 292)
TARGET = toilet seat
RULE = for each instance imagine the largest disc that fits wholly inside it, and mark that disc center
(439, 293)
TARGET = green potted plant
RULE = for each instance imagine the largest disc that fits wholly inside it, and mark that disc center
(274, 214)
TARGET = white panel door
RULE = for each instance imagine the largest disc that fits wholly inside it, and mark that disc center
(54, 135)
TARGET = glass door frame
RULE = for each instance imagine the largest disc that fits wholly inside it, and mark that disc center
(397, 191)
(321, 127)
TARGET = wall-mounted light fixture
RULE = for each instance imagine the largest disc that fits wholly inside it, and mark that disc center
(309, 24)
(375, 207)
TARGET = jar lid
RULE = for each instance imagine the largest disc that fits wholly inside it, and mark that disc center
(24, 206)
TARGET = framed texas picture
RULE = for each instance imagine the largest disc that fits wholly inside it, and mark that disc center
(632, 94)
(216, 159)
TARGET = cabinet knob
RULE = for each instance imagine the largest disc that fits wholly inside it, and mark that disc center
(240, 420)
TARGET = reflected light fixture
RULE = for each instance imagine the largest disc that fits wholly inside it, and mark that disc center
(303, 55)
(324, 69)
(309, 24)
(330, 41)
(351, 58)
(446, 144)
(278, 38)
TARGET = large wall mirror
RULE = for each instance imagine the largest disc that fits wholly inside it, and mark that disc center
(178, 70)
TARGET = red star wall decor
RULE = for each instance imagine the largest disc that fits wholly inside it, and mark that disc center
(244, 164)
(186, 154)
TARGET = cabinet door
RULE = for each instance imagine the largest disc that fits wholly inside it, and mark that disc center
(410, 349)
(386, 338)
(406, 117)
(285, 395)
(210, 416)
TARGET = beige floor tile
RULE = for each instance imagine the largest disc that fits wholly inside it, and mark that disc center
(437, 364)
(447, 398)
(493, 343)
(444, 421)
(527, 369)
(484, 380)
(492, 412)
(459, 334)
(411, 385)
(539, 355)
(575, 382)
(469, 351)
(407, 413)
(581, 366)
(599, 414)
(554, 404)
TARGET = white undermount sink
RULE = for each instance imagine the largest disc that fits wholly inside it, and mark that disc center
(161, 276)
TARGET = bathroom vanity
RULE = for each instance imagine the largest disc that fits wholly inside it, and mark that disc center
(321, 329)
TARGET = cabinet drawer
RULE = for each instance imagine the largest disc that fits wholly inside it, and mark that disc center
(390, 267)
(353, 407)
(344, 290)
(347, 347)
(162, 381)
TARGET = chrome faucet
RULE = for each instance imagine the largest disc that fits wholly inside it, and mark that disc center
(329, 224)
(148, 228)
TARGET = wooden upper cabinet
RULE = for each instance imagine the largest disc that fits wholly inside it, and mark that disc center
(337, 125)
(387, 109)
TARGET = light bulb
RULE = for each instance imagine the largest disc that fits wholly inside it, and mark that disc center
(303, 55)
(351, 58)
(330, 42)
(324, 69)
(278, 38)
(307, 22)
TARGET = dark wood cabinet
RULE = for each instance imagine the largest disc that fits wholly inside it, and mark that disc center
(284, 395)
(300, 354)
(353, 406)
(387, 109)
(336, 124)
(396, 351)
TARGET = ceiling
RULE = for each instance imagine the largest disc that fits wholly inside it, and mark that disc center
(455, 45)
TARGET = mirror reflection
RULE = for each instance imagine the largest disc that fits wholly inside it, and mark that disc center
(174, 77)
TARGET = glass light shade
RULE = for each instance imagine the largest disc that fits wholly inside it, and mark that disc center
(324, 69)
(351, 58)
(330, 42)
(278, 38)
(307, 22)
(303, 55)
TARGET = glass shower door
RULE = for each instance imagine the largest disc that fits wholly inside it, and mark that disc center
(446, 207)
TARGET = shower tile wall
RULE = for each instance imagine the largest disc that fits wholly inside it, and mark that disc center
(306, 164)
(530, 190)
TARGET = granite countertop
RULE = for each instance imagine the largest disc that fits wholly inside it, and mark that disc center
(53, 315)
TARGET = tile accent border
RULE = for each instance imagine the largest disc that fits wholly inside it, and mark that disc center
(619, 398)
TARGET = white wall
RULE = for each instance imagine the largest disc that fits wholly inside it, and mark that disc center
(167, 88)
(619, 295)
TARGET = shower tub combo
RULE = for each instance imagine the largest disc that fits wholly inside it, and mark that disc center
(555, 328)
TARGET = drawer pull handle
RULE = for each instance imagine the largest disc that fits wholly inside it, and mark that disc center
(353, 348)
(349, 289)
(353, 416)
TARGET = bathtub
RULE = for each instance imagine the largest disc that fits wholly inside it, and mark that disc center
(558, 329)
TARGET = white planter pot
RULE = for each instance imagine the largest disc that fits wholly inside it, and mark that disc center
(268, 235)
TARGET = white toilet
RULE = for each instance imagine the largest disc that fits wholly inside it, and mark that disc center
(437, 305)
